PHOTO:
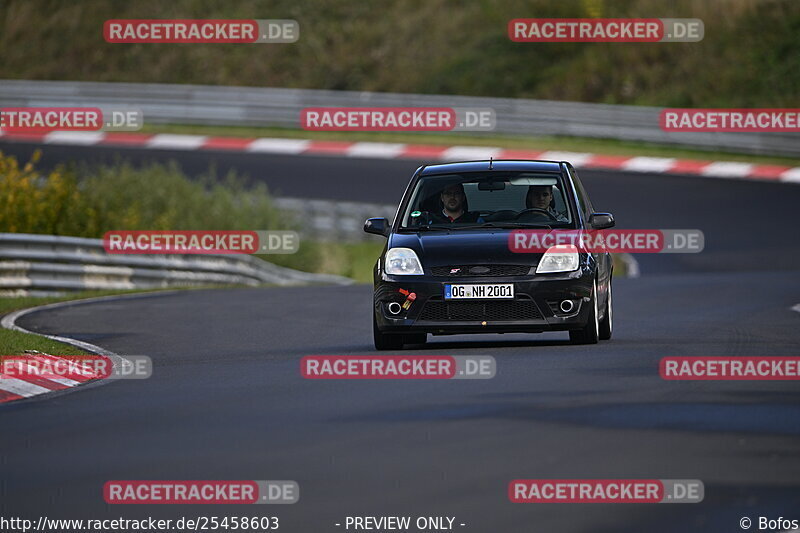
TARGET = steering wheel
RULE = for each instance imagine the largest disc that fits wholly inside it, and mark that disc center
(535, 211)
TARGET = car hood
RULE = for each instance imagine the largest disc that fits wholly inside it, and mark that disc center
(463, 247)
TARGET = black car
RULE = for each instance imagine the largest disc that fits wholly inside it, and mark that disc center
(449, 268)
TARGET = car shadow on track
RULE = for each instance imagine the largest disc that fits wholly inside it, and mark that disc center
(437, 345)
(442, 343)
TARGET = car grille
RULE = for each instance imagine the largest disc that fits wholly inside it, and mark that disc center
(480, 270)
(496, 310)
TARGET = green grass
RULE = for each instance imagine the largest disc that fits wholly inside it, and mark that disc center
(356, 260)
(569, 144)
(350, 259)
(620, 266)
(360, 260)
(16, 342)
(13, 304)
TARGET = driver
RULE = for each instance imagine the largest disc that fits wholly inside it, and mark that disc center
(541, 197)
(454, 206)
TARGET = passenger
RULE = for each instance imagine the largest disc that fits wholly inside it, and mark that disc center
(454, 206)
(541, 197)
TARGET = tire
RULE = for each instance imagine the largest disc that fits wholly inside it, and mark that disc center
(607, 324)
(590, 333)
(385, 341)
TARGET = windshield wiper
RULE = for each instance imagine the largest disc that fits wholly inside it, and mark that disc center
(424, 227)
(505, 225)
(501, 225)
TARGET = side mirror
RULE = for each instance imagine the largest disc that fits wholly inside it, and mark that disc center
(601, 220)
(378, 226)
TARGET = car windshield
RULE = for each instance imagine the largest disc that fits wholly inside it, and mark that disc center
(488, 199)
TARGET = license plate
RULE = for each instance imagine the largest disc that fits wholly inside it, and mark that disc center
(471, 292)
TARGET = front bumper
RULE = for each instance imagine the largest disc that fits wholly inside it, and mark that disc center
(534, 307)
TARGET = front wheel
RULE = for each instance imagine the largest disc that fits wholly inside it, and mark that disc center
(590, 333)
(607, 325)
(385, 341)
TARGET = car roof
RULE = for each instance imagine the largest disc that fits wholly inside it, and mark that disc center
(501, 164)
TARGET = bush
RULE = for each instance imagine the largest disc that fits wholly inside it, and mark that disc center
(123, 197)
(35, 203)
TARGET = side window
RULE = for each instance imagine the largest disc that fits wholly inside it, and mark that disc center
(583, 198)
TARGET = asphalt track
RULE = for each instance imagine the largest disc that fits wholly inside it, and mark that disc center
(226, 400)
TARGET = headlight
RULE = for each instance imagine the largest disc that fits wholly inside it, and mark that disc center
(559, 259)
(402, 262)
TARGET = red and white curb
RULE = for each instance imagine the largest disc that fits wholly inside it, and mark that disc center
(374, 150)
(27, 380)
(20, 387)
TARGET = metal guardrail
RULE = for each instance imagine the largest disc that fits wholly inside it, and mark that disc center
(334, 221)
(39, 265)
(249, 106)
